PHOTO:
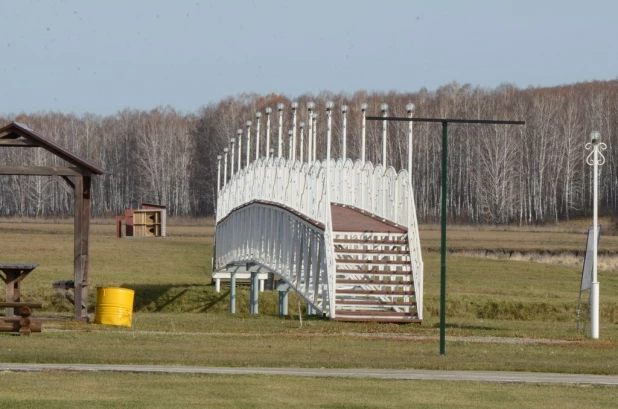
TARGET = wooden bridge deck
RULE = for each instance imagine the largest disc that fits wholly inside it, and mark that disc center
(346, 219)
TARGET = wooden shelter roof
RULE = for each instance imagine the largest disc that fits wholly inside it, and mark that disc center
(78, 177)
(17, 134)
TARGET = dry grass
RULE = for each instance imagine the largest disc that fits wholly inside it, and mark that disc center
(579, 225)
(516, 241)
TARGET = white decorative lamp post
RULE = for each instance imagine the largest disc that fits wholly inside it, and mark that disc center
(225, 150)
(268, 111)
(239, 136)
(310, 107)
(384, 109)
(329, 117)
(248, 142)
(594, 159)
(302, 140)
(294, 106)
(410, 109)
(344, 111)
(363, 130)
(218, 174)
(280, 107)
(315, 135)
(232, 142)
(258, 115)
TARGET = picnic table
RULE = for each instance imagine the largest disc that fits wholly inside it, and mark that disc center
(13, 275)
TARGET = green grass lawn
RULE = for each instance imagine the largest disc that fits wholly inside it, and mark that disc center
(125, 390)
(496, 309)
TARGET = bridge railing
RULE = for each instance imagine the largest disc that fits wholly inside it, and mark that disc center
(280, 241)
(290, 184)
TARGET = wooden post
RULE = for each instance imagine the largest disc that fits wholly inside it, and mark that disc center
(81, 234)
(12, 292)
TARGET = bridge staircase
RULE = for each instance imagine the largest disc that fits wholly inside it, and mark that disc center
(374, 280)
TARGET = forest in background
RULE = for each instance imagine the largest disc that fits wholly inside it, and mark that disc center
(497, 174)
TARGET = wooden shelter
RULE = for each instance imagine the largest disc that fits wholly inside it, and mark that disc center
(78, 176)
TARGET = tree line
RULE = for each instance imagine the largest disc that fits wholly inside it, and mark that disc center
(497, 174)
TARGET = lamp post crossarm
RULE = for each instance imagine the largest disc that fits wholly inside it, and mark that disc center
(447, 120)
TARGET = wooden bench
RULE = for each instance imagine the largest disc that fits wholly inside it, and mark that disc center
(24, 325)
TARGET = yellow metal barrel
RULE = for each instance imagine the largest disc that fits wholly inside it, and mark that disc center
(114, 306)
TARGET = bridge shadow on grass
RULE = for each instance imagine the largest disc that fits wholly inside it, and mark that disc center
(169, 297)
(220, 299)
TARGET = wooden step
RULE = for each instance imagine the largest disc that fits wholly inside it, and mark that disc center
(361, 251)
(359, 261)
(376, 313)
(370, 241)
(374, 272)
(393, 320)
(366, 302)
(374, 282)
(374, 292)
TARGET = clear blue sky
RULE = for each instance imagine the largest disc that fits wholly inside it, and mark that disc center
(103, 56)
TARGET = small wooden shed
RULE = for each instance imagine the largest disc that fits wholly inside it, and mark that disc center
(78, 176)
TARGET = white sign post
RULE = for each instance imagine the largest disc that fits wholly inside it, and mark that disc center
(594, 159)
(586, 283)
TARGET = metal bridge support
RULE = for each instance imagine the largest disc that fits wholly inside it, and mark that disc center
(283, 288)
(255, 286)
(233, 291)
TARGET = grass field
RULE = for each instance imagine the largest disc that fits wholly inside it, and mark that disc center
(119, 391)
(503, 314)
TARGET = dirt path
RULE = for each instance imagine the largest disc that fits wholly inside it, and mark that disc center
(467, 376)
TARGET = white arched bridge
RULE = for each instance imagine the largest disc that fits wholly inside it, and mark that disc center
(342, 234)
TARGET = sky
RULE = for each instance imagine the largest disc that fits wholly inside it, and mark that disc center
(100, 57)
